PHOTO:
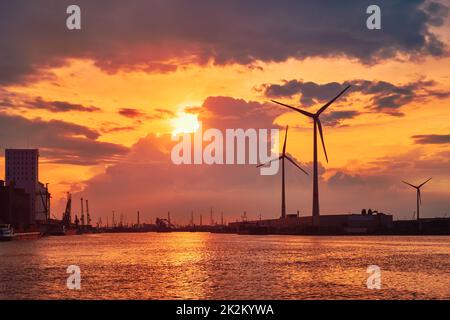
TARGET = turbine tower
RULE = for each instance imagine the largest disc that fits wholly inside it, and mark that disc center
(283, 187)
(317, 125)
(419, 198)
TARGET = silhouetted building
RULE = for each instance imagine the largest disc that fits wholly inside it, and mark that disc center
(330, 224)
(432, 226)
(22, 169)
(15, 206)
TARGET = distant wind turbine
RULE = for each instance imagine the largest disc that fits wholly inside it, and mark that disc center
(317, 124)
(282, 157)
(419, 198)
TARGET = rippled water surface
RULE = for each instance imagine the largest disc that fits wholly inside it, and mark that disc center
(225, 266)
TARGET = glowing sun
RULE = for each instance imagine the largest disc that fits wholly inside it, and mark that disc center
(185, 123)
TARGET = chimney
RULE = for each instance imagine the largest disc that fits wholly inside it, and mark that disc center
(88, 215)
(82, 212)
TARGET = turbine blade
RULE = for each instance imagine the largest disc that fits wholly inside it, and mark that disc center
(420, 197)
(325, 106)
(285, 140)
(409, 184)
(321, 138)
(295, 164)
(424, 182)
(306, 113)
(268, 162)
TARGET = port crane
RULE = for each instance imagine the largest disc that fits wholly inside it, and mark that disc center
(67, 215)
(45, 198)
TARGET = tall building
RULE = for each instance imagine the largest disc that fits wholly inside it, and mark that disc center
(22, 169)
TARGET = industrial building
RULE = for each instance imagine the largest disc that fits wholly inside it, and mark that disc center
(432, 226)
(15, 207)
(22, 172)
(378, 223)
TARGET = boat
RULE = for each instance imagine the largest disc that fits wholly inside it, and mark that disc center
(6, 232)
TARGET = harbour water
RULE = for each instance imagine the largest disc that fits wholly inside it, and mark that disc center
(225, 266)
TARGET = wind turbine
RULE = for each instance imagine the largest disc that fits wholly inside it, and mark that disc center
(317, 125)
(283, 188)
(419, 198)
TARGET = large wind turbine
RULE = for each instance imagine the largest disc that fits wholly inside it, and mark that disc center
(317, 125)
(282, 157)
(419, 198)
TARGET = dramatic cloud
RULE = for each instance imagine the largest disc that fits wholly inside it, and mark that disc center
(7, 98)
(311, 92)
(384, 96)
(335, 118)
(389, 98)
(118, 129)
(432, 139)
(228, 113)
(162, 35)
(58, 141)
(58, 106)
(131, 113)
(345, 180)
(138, 115)
(164, 113)
(14, 101)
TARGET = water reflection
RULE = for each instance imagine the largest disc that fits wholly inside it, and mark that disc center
(222, 266)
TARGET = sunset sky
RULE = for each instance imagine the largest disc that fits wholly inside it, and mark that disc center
(101, 103)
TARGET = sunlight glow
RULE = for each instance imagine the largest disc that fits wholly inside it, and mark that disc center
(185, 123)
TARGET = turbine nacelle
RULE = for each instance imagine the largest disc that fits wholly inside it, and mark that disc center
(419, 197)
(315, 116)
(283, 155)
(417, 187)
